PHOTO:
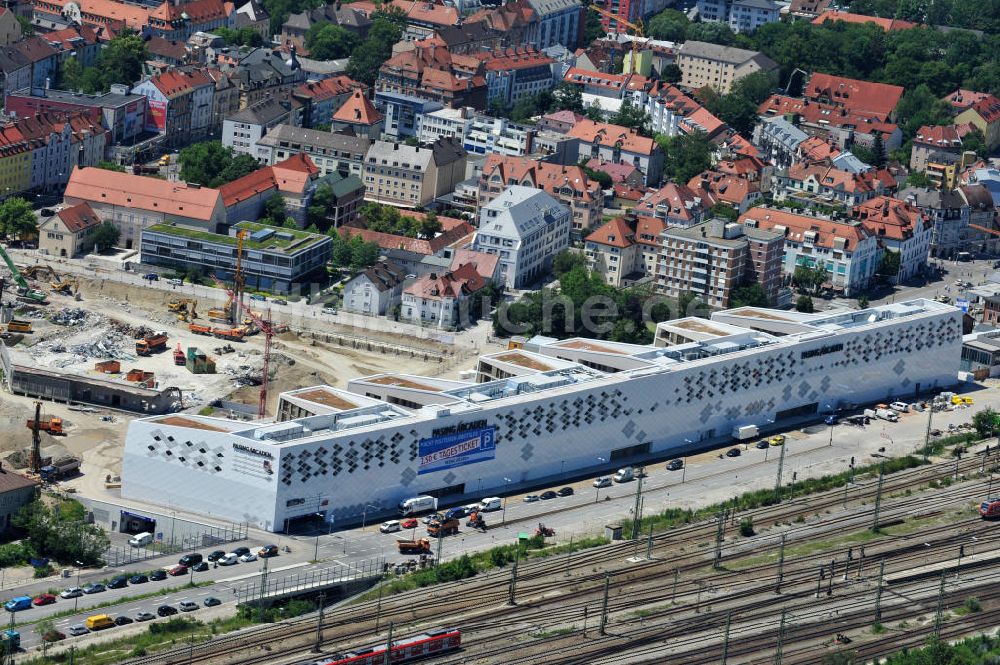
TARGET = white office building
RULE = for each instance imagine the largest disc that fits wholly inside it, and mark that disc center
(538, 414)
(526, 228)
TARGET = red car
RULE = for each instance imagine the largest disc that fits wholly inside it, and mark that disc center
(177, 571)
(409, 524)
(44, 599)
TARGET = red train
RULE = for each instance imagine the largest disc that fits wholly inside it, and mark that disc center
(403, 651)
(990, 509)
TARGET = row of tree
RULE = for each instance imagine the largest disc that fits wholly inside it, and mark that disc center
(211, 164)
(120, 61)
(367, 58)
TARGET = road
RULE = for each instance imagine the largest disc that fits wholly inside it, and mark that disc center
(707, 479)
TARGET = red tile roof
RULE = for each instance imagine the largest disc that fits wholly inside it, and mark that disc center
(327, 88)
(681, 202)
(818, 113)
(618, 172)
(815, 149)
(887, 24)
(939, 136)
(173, 83)
(516, 58)
(599, 79)
(720, 187)
(78, 218)
(615, 233)
(886, 217)
(70, 38)
(963, 99)
(648, 230)
(611, 136)
(796, 225)
(291, 175)
(485, 264)
(125, 190)
(854, 95)
(357, 110)
(701, 119)
(988, 108)
(423, 246)
(542, 175)
(463, 281)
(250, 185)
(828, 176)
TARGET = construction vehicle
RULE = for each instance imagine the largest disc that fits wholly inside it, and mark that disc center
(267, 328)
(179, 357)
(151, 343)
(17, 325)
(420, 546)
(36, 271)
(231, 334)
(199, 329)
(636, 28)
(476, 521)
(184, 305)
(439, 528)
(51, 425)
(65, 286)
(24, 292)
(10, 642)
(61, 468)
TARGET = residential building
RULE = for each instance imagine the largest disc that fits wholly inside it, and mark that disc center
(836, 125)
(243, 130)
(432, 73)
(167, 51)
(486, 135)
(559, 121)
(901, 228)
(15, 160)
(39, 151)
(559, 22)
(295, 27)
(518, 73)
(887, 24)
(766, 257)
(10, 28)
(439, 299)
(808, 9)
(320, 99)
(612, 252)
(411, 176)
(982, 233)
(402, 113)
(16, 491)
(737, 191)
(15, 70)
(265, 74)
(516, 20)
(69, 232)
(618, 144)
(419, 256)
(226, 99)
(756, 377)
(122, 114)
(879, 99)
(847, 250)
(619, 173)
(675, 205)
(742, 16)
(984, 115)
(422, 18)
(470, 38)
(826, 185)
(570, 185)
(44, 59)
(375, 290)
(948, 212)
(667, 107)
(708, 259)
(168, 19)
(179, 105)
(711, 65)
(962, 100)
(133, 203)
(330, 152)
(357, 116)
(779, 140)
(444, 122)
(274, 259)
(79, 42)
(624, 12)
(251, 14)
(935, 148)
(526, 228)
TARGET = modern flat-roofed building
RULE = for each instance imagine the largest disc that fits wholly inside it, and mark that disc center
(274, 259)
(557, 408)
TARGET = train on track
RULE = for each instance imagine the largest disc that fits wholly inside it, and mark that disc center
(407, 650)
(990, 509)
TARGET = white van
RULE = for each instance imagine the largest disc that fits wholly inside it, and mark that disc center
(141, 539)
(624, 475)
(416, 505)
(900, 407)
(490, 503)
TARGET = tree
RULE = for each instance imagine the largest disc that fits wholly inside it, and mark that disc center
(918, 179)
(986, 422)
(863, 301)
(121, 60)
(17, 219)
(686, 155)
(327, 41)
(321, 206)
(670, 25)
(749, 295)
(275, 211)
(805, 304)
(289, 223)
(211, 164)
(634, 117)
(592, 27)
(725, 211)
(69, 75)
(239, 166)
(671, 73)
(594, 112)
(565, 261)
(568, 97)
(888, 267)
(367, 59)
(245, 36)
(430, 226)
(755, 87)
(810, 279)
(27, 28)
(110, 166)
(712, 31)
(974, 141)
(602, 178)
(106, 236)
(62, 534)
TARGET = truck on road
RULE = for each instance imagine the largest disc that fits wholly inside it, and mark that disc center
(744, 432)
(884, 414)
(419, 546)
(61, 468)
(417, 504)
(443, 528)
(151, 343)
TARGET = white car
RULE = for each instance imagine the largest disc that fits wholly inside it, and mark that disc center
(390, 527)
(227, 560)
(72, 592)
(603, 481)
(248, 557)
(900, 407)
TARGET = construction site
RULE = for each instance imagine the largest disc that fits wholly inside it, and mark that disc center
(90, 354)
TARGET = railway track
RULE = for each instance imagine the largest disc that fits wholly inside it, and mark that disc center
(685, 544)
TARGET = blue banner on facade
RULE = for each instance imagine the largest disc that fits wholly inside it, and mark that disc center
(457, 449)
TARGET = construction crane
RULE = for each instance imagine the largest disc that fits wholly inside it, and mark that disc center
(25, 292)
(637, 29)
(35, 460)
(984, 229)
(237, 303)
(267, 329)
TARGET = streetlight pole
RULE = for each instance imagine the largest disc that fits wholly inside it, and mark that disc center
(506, 491)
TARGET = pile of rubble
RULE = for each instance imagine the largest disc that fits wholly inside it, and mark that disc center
(106, 343)
(73, 316)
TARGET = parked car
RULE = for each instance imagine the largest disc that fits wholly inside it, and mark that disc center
(17, 604)
(144, 616)
(94, 588)
(228, 559)
(177, 571)
(548, 494)
(166, 610)
(258, 297)
(187, 605)
(603, 481)
(78, 629)
(44, 599)
(389, 527)
(267, 551)
(330, 310)
(157, 575)
(777, 440)
(675, 465)
(175, 281)
(900, 407)
(119, 582)
(123, 621)
(240, 551)
(200, 567)
(151, 276)
(189, 560)
(248, 557)
(733, 452)
(456, 513)
(530, 498)
(279, 301)
(433, 517)
(212, 601)
(216, 555)
(409, 523)
(762, 444)
(566, 491)
(72, 592)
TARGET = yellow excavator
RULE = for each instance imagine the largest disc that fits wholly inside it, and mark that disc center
(185, 308)
(65, 286)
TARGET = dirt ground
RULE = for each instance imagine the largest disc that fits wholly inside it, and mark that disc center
(98, 436)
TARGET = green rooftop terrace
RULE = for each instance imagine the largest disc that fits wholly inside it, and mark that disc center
(277, 242)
